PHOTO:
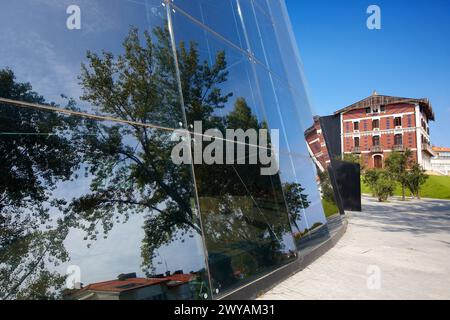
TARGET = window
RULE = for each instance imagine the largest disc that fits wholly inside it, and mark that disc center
(375, 109)
(382, 108)
(356, 126)
(367, 110)
(398, 140)
(376, 140)
(398, 122)
(356, 142)
(376, 124)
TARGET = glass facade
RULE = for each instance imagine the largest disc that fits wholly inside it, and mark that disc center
(93, 205)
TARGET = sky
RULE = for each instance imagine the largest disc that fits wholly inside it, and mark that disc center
(344, 61)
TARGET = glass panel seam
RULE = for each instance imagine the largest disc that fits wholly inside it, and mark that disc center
(218, 35)
(180, 91)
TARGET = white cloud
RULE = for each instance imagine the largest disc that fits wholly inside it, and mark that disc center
(35, 60)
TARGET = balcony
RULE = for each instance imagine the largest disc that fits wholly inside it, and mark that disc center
(398, 147)
(356, 150)
(427, 148)
(377, 149)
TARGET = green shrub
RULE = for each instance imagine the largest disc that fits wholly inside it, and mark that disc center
(380, 183)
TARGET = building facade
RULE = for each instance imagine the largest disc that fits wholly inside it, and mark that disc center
(378, 125)
(317, 146)
(440, 162)
(114, 201)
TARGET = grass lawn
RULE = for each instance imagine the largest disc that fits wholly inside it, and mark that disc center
(436, 187)
(329, 208)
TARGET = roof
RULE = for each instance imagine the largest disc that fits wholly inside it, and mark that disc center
(441, 149)
(377, 100)
(119, 286)
(122, 285)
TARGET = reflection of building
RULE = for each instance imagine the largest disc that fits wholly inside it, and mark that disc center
(129, 287)
(440, 163)
(316, 145)
(378, 125)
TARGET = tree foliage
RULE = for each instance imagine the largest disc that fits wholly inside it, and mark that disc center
(397, 165)
(35, 155)
(380, 183)
(415, 178)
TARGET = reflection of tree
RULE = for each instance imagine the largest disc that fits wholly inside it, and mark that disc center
(34, 157)
(138, 176)
(141, 86)
(327, 188)
(296, 201)
(243, 213)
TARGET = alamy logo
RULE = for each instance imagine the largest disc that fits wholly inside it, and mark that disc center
(73, 279)
(73, 22)
(237, 147)
(374, 20)
(374, 277)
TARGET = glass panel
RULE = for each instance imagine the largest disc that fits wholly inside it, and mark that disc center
(52, 56)
(262, 38)
(100, 202)
(281, 112)
(244, 214)
(300, 185)
(210, 71)
(293, 66)
(221, 16)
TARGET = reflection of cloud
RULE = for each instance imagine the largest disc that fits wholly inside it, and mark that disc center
(34, 60)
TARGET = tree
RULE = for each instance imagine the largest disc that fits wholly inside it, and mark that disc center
(397, 165)
(36, 153)
(327, 188)
(380, 183)
(296, 201)
(241, 117)
(415, 178)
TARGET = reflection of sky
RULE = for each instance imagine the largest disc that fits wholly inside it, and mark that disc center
(39, 48)
(121, 253)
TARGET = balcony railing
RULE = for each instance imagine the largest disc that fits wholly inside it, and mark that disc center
(398, 147)
(377, 148)
(427, 148)
(356, 150)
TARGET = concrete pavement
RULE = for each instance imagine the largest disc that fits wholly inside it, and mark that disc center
(392, 250)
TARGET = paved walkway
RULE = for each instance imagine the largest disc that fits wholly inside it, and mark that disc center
(391, 250)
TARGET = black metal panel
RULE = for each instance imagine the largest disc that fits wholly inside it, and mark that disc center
(347, 178)
(331, 129)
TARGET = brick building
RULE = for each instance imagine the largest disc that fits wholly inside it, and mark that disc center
(378, 125)
(316, 145)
